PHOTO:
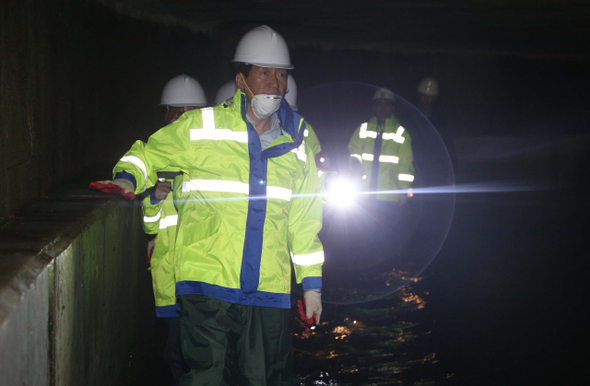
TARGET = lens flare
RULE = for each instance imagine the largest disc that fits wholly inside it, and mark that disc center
(340, 192)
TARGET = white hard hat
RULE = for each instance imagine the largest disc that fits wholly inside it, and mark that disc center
(225, 92)
(263, 47)
(183, 90)
(291, 95)
(383, 93)
(428, 86)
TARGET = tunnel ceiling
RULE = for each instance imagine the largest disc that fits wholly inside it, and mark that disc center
(544, 28)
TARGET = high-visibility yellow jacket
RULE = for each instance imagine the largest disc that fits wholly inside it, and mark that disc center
(396, 169)
(311, 140)
(160, 219)
(243, 213)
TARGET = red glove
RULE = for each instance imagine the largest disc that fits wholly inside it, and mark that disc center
(111, 189)
(151, 252)
(150, 247)
(311, 323)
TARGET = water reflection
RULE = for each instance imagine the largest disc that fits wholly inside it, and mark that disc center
(386, 342)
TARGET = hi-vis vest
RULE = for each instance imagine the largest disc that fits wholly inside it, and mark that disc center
(160, 219)
(396, 169)
(243, 213)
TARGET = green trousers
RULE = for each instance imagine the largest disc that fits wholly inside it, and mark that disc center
(225, 343)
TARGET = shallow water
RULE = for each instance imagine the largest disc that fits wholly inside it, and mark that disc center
(385, 342)
(504, 303)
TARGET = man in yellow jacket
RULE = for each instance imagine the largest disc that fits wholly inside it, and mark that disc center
(246, 210)
(381, 152)
(180, 94)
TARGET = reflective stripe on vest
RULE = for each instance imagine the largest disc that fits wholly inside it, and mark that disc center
(169, 221)
(152, 218)
(139, 163)
(300, 154)
(382, 158)
(389, 158)
(209, 132)
(405, 177)
(233, 187)
(363, 133)
(308, 259)
(397, 136)
(357, 156)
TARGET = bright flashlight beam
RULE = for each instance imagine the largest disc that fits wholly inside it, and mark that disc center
(484, 187)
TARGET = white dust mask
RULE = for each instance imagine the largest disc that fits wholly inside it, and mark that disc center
(264, 105)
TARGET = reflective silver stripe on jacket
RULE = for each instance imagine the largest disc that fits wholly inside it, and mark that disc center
(397, 136)
(233, 187)
(152, 218)
(382, 158)
(308, 259)
(169, 221)
(300, 153)
(209, 132)
(139, 163)
(405, 177)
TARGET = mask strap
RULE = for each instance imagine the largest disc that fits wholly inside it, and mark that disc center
(244, 79)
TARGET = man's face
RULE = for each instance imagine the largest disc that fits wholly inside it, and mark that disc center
(264, 80)
(382, 108)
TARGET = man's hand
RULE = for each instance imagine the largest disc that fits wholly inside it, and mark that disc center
(313, 304)
(162, 189)
(121, 187)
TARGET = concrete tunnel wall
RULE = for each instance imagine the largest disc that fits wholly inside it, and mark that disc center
(74, 296)
(76, 304)
(78, 84)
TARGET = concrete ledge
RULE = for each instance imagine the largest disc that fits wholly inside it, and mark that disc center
(75, 292)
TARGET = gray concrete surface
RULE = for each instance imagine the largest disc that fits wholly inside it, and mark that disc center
(74, 293)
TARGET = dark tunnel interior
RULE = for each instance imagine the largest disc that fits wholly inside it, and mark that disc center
(502, 298)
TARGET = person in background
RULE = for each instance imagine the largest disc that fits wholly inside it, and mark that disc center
(427, 94)
(181, 94)
(246, 211)
(381, 152)
(225, 92)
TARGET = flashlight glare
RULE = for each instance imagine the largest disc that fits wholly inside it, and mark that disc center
(341, 192)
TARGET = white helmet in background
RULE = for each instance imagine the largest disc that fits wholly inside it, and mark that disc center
(225, 92)
(428, 86)
(383, 93)
(291, 95)
(263, 47)
(183, 90)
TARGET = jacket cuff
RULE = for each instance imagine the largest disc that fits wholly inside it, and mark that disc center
(153, 199)
(312, 283)
(126, 176)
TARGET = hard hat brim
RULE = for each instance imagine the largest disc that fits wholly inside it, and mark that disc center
(268, 65)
